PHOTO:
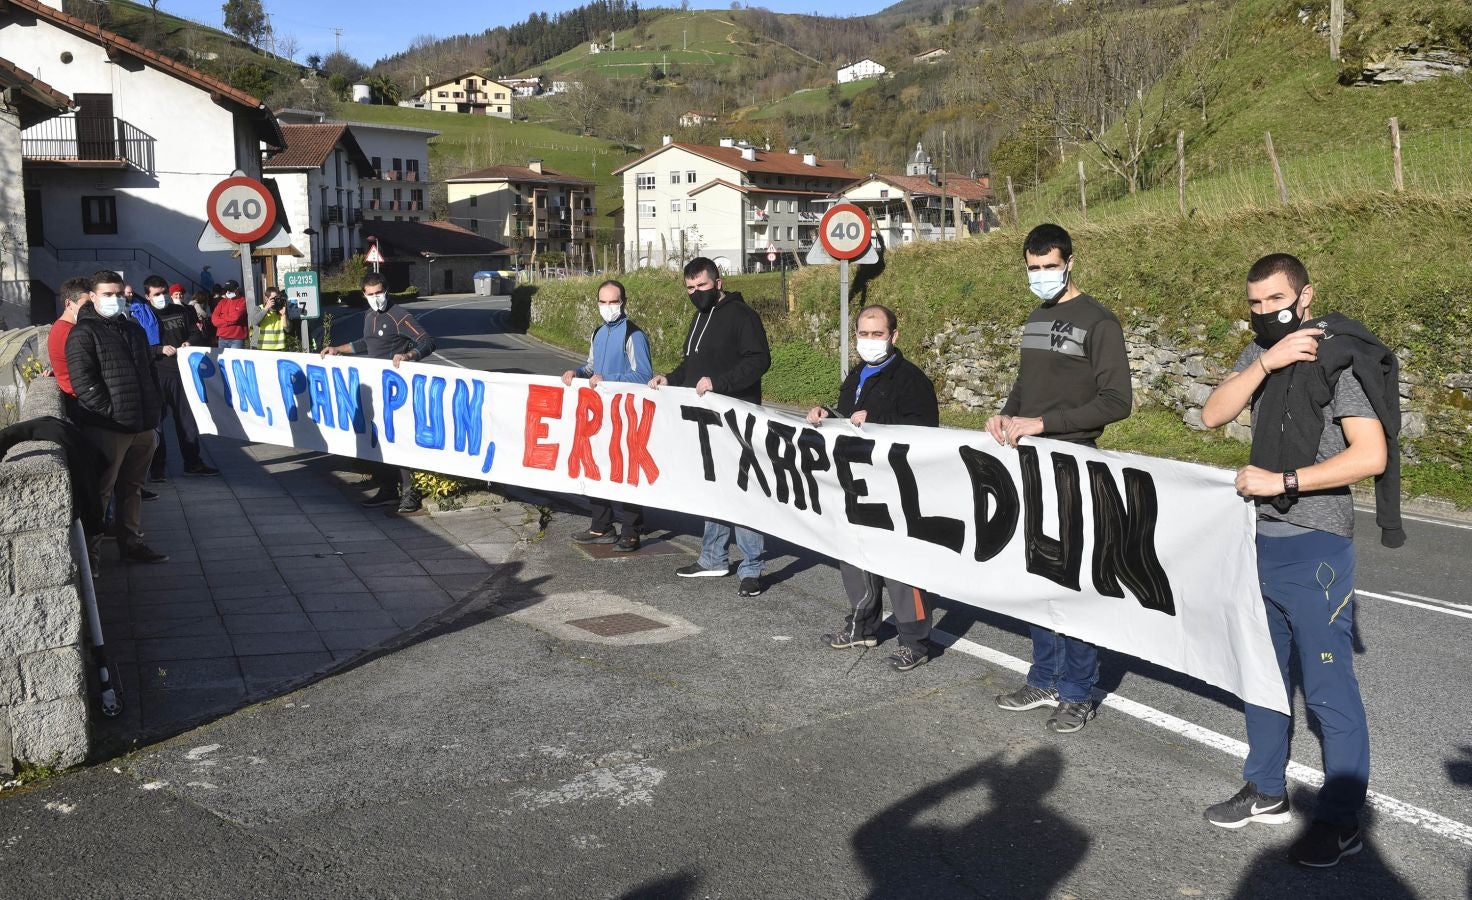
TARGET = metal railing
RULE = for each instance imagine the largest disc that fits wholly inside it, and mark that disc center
(153, 264)
(73, 139)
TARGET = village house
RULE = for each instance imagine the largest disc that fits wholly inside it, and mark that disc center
(533, 209)
(25, 101)
(396, 185)
(923, 204)
(523, 87)
(729, 202)
(933, 56)
(122, 182)
(471, 93)
(694, 119)
(858, 71)
(317, 176)
(436, 257)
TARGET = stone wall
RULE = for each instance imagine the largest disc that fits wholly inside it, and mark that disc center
(44, 708)
(976, 365)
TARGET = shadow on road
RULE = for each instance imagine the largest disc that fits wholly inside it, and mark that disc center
(1018, 847)
(676, 887)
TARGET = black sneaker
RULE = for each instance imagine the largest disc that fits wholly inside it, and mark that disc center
(696, 570)
(1250, 805)
(751, 587)
(906, 658)
(627, 544)
(147, 495)
(201, 469)
(379, 498)
(157, 478)
(595, 537)
(1027, 697)
(846, 638)
(1070, 717)
(409, 503)
(143, 553)
(1324, 845)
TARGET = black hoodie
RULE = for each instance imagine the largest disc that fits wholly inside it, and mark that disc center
(728, 345)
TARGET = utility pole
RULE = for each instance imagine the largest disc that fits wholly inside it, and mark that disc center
(942, 184)
(337, 39)
(685, 35)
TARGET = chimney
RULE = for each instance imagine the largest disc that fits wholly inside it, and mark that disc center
(727, 142)
(810, 159)
(667, 139)
(791, 151)
(748, 154)
(535, 165)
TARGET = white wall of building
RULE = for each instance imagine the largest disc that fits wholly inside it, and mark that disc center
(387, 143)
(159, 214)
(864, 68)
(716, 226)
(15, 269)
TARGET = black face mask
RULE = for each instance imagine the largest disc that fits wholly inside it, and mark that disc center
(1274, 326)
(704, 300)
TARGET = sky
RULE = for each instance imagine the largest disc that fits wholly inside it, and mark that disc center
(376, 28)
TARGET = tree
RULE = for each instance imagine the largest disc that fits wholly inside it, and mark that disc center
(314, 61)
(385, 90)
(246, 19)
(288, 47)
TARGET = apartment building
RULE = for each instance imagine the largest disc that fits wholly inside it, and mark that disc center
(471, 93)
(924, 204)
(532, 209)
(396, 186)
(317, 176)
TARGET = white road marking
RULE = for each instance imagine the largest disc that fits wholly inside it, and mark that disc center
(1419, 605)
(199, 753)
(1413, 815)
(429, 312)
(1432, 600)
(65, 809)
(448, 360)
(1428, 520)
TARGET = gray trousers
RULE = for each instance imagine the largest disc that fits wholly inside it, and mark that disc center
(865, 592)
(128, 457)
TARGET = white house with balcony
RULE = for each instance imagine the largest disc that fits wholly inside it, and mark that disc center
(858, 71)
(318, 177)
(396, 187)
(122, 182)
(730, 202)
(923, 204)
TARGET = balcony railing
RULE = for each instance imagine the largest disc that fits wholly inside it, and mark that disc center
(756, 215)
(70, 140)
(392, 175)
(809, 217)
(411, 174)
(334, 214)
(375, 204)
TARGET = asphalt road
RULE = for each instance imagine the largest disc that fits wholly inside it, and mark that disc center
(506, 753)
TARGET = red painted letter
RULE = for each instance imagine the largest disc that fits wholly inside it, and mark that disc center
(639, 429)
(542, 402)
(589, 420)
(616, 439)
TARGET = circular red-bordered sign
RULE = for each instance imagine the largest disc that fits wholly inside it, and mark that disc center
(845, 231)
(241, 209)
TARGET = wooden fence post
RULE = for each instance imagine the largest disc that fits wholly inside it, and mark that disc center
(1399, 181)
(1277, 170)
(1083, 191)
(1012, 195)
(1336, 27)
(1181, 171)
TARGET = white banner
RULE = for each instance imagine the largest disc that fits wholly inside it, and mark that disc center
(1149, 557)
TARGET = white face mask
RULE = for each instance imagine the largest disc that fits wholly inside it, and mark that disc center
(610, 311)
(379, 302)
(109, 305)
(229, 295)
(1048, 285)
(872, 350)
(159, 302)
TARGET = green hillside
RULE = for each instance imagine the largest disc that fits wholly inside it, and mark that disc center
(703, 41)
(468, 142)
(811, 101)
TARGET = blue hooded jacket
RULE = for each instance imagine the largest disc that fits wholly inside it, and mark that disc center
(619, 352)
(142, 313)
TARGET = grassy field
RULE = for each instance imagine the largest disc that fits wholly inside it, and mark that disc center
(705, 38)
(810, 102)
(507, 143)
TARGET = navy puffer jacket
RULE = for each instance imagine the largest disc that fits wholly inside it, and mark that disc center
(112, 372)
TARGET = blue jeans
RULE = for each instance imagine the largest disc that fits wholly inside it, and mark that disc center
(232, 343)
(1308, 589)
(1067, 665)
(715, 551)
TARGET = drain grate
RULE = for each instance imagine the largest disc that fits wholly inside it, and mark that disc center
(616, 624)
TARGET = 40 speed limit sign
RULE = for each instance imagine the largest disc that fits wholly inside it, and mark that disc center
(845, 231)
(241, 209)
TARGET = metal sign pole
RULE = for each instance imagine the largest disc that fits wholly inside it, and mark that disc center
(843, 328)
(248, 284)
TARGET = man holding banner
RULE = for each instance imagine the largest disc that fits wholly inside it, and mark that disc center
(389, 333)
(1074, 379)
(886, 390)
(726, 352)
(1316, 430)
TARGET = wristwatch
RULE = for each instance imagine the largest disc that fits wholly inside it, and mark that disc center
(1290, 484)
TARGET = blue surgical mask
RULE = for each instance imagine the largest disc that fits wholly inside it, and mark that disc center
(1048, 284)
(109, 305)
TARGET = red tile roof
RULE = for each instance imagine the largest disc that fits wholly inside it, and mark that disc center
(47, 100)
(766, 162)
(308, 146)
(520, 173)
(956, 185)
(266, 126)
(430, 240)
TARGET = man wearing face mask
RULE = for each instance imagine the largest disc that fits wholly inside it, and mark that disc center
(142, 311)
(389, 332)
(229, 317)
(1325, 406)
(619, 351)
(1073, 380)
(269, 320)
(177, 327)
(886, 390)
(112, 371)
(726, 352)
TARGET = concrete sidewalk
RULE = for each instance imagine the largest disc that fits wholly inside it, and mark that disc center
(275, 575)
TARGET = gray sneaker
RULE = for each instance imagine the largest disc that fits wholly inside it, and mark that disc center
(1028, 697)
(1070, 717)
